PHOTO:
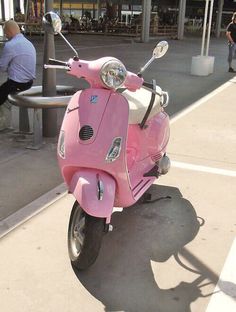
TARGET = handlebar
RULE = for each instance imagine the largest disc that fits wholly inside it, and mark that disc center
(46, 66)
(56, 64)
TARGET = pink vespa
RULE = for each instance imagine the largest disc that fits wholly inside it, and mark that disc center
(112, 144)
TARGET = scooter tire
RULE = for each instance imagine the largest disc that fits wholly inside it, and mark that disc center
(92, 231)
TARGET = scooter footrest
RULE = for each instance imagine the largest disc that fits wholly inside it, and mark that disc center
(153, 172)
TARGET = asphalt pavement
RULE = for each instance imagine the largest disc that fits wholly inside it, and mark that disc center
(151, 268)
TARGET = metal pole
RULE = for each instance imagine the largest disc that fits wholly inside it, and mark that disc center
(8, 10)
(61, 10)
(49, 80)
(219, 18)
(26, 10)
(99, 9)
(3, 10)
(146, 12)
(22, 6)
(209, 27)
(181, 19)
(204, 27)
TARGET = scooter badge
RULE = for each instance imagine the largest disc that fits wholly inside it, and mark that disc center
(94, 99)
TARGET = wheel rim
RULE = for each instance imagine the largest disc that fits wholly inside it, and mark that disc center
(76, 237)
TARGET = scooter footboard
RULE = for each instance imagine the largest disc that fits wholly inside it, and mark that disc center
(95, 192)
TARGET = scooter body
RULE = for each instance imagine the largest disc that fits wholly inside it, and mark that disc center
(112, 143)
(94, 120)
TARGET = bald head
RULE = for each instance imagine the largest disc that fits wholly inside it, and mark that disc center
(11, 29)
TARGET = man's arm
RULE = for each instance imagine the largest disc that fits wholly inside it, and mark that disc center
(5, 58)
(228, 35)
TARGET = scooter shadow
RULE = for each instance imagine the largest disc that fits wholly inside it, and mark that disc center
(122, 277)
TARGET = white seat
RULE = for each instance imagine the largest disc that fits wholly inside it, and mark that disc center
(138, 104)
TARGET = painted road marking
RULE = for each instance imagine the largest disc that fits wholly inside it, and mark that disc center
(188, 110)
(187, 166)
(224, 296)
(198, 103)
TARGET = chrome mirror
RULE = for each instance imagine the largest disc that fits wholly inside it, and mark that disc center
(52, 23)
(160, 49)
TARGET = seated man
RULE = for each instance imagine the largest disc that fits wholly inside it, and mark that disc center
(18, 59)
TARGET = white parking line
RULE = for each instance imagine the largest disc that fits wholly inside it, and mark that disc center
(187, 166)
(224, 296)
(198, 103)
(188, 110)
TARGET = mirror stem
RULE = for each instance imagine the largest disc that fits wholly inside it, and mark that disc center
(146, 65)
(76, 53)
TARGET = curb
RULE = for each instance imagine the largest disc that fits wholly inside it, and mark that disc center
(32, 209)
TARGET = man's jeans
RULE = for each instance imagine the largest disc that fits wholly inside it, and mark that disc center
(232, 52)
(11, 86)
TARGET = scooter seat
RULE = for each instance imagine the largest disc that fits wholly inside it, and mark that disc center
(138, 104)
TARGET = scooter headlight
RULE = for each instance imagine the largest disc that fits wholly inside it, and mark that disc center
(61, 145)
(113, 74)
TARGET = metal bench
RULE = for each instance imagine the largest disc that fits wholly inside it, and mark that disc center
(32, 98)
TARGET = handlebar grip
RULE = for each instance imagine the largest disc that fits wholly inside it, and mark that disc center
(56, 62)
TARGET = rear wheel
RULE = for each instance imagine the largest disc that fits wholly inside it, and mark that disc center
(85, 235)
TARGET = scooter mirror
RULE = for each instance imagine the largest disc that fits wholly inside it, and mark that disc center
(160, 49)
(52, 23)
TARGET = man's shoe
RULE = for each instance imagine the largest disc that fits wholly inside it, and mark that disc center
(231, 70)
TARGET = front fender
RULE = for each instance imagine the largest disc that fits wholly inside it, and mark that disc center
(84, 186)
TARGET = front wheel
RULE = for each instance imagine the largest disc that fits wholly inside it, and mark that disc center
(85, 235)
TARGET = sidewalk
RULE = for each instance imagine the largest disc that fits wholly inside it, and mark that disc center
(135, 270)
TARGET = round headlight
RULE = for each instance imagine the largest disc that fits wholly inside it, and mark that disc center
(113, 74)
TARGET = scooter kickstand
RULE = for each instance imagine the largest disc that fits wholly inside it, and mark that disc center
(146, 197)
(108, 228)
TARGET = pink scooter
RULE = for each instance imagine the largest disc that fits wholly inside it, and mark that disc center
(112, 144)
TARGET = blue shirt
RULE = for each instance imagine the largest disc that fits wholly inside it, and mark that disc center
(18, 59)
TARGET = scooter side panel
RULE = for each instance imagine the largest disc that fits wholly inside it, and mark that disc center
(152, 139)
(84, 186)
(111, 122)
(147, 146)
